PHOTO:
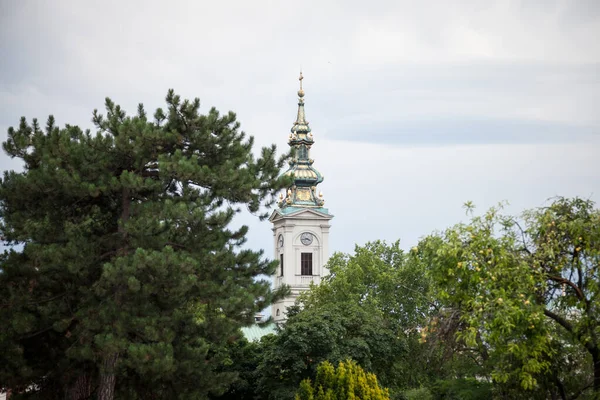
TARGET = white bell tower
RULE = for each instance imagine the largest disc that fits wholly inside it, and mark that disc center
(301, 223)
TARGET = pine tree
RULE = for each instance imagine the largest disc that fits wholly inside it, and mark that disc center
(124, 277)
(346, 382)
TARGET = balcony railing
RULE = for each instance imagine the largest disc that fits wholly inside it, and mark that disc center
(305, 280)
(298, 280)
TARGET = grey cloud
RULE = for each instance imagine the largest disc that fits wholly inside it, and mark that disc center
(439, 132)
(403, 78)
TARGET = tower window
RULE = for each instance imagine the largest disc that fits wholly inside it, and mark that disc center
(281, 265)
(302, 152)
(306, 263)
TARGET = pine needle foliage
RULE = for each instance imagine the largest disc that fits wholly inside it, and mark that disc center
(124, 276)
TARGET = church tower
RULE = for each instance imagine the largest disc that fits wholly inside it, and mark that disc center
(301, 223)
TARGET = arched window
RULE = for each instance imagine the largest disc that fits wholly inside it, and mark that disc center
(277, 313)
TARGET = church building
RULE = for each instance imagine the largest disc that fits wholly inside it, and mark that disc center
(301, 223)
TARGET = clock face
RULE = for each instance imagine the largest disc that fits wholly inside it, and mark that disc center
(306, 238)
(280, 241)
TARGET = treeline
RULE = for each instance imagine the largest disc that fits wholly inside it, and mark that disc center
(500, 307)
(124, 279)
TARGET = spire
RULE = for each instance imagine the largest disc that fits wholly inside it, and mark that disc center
(303, 193)
(301, 125)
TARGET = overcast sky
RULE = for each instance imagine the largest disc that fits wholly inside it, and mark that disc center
(416, 107)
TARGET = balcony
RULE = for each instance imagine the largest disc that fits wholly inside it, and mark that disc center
(297, 280)
(305, 280)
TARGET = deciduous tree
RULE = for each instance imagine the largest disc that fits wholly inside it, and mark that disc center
(529, 293)
(369, 309)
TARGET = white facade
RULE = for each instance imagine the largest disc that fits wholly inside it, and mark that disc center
(305, 231)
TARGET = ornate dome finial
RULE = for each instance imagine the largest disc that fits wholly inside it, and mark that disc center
(301, 92)
(301, 125)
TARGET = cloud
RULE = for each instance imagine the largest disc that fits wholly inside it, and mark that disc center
(390, 192)
(440, 132)
(376, 191)
(415, 106)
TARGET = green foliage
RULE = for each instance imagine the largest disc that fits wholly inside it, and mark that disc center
(418, 394)
(243, 359)
(369, 310)
(125, 265)
(332, 334)
(461, 389)
(378, 277)
(395, 292)
(347, 381)
(528, 293)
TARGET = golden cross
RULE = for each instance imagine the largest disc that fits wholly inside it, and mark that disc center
(300, 79)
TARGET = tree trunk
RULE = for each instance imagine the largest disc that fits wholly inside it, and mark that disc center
(81, 389)
(596, 360)
(108, 378)
(561, 389)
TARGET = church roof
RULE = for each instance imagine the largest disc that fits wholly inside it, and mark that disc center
(289, 212)
(255, 332)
